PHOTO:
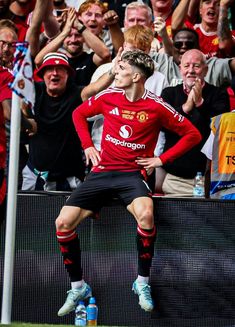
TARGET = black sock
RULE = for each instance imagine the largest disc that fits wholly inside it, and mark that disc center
(145, 240)
(71, 252)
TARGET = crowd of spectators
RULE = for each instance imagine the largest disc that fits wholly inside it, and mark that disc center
(87, 36)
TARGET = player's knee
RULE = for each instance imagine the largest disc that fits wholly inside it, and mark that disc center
(62, 224)
(145, 219)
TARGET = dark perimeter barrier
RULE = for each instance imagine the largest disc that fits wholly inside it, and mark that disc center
(192, 277)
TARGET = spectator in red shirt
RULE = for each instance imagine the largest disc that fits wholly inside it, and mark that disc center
(215, 37)
(18, 12)
(7, 38)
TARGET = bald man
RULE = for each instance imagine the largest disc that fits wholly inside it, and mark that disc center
(199, 102)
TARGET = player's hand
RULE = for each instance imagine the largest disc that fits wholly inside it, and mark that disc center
(92, 155)
(149, 163)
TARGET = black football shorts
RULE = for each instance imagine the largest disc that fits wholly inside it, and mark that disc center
(99, 188)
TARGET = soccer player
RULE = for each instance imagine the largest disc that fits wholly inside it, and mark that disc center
(133, 118)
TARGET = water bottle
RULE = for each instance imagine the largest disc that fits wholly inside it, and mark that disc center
(92, 312)
(198, 189)
(80, 314)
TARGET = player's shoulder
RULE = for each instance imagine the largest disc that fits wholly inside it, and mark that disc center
(157, 102)
(150, 96)
(110, 91)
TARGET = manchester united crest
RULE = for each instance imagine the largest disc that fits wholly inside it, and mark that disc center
(142, 116)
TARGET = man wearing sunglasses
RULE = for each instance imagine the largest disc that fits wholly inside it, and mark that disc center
(220, 70)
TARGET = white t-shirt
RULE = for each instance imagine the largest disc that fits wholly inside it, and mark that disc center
(208, 146)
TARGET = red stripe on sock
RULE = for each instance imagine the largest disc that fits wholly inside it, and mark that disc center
(66, 236)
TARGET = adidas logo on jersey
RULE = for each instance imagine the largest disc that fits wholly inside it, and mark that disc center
(115, 111)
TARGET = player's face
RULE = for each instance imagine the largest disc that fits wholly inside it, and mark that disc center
(192, 67)
(123, 75)
(73, 43)
(137, 16)
(92, 18)
(55, 78)
(209, 11)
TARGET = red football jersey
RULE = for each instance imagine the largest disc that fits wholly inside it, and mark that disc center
(209, 42)
(169, 29)
(5, 93)
(131, 128)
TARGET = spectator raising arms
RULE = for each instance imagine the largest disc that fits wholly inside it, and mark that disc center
(70, 41)
(55, 154)
(92, 14)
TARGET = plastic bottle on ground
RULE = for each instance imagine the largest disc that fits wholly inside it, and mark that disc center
(92, 312)
(80, 314)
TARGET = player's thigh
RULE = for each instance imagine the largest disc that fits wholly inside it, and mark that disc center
(142, 209)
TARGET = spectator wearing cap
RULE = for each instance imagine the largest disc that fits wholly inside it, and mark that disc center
(55, 153)
(70, 41)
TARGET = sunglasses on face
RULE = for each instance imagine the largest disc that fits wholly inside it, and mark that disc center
(187, 44)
